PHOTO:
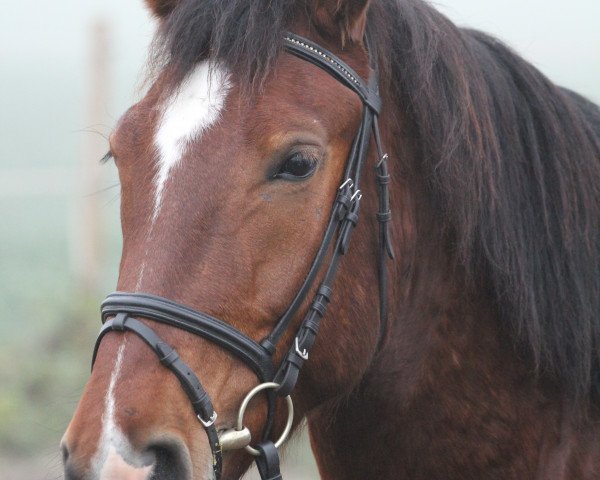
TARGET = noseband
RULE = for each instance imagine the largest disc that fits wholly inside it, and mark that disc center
(120, 309)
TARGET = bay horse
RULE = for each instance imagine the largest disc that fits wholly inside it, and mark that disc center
(473, 354)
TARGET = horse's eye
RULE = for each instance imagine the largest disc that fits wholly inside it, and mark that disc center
(297, 167)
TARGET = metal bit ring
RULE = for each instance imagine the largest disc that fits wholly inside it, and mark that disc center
(244, 406)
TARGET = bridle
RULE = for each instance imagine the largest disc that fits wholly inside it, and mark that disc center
(120, 309)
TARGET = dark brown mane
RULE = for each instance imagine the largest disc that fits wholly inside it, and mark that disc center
(511, 161)
(512, 166)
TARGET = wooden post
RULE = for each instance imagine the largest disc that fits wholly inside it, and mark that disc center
(89, 230)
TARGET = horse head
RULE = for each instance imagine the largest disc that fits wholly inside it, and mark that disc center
(229, 176)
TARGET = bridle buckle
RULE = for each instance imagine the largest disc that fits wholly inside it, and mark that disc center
(303, 353)
(210, 422)
(348, 183)
(384, 158)
(357, 196)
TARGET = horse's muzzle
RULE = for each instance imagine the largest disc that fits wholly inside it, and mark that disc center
(160, 460)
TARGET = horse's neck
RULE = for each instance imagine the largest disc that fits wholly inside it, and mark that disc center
(449, 399)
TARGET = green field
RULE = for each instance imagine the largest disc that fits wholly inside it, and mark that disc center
(47, 323)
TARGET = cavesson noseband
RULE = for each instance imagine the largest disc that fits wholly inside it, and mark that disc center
(119, 310)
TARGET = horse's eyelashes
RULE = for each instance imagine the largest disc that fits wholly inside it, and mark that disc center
(107, 156)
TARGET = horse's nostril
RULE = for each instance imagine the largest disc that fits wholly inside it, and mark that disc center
(71, 472)
(171, 461)
(65, 453)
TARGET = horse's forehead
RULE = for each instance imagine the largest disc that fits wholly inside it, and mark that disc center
(207, 113)
(193, 108)
(297, 97)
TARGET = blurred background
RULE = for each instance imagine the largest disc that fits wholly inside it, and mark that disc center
(68, 70)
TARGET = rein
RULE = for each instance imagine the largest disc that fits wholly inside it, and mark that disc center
(120, 309)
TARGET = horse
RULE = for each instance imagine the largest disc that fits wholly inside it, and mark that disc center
(462, 335)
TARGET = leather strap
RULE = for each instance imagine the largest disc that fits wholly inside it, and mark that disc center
(323, 58)
(190, 383)
(268, 461)
(283, 323)
(165, 311)
(298, 353)
(384, 216)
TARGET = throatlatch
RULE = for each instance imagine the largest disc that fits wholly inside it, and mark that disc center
(120, 309)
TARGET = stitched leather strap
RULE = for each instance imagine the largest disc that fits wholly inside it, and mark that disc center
(165, 311)
(384, 215)
(283, 323)
(348, 216)
(169, 357)
(323, 58)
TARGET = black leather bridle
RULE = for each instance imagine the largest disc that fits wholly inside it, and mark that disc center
(120, 309)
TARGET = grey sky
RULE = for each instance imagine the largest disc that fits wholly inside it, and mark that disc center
(44, 50)
(562, 38)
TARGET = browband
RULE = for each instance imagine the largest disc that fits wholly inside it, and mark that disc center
(323, 58)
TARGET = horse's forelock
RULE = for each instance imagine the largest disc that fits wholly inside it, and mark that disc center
(243, 35)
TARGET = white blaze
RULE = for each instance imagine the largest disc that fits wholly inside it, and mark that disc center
(115, 457)
(193, 108)
(111, 436)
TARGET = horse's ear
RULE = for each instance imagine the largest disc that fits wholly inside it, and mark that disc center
(161, 8)
(345, 19)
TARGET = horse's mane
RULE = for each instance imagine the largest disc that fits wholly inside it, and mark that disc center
(512, 166)
(510, 162)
